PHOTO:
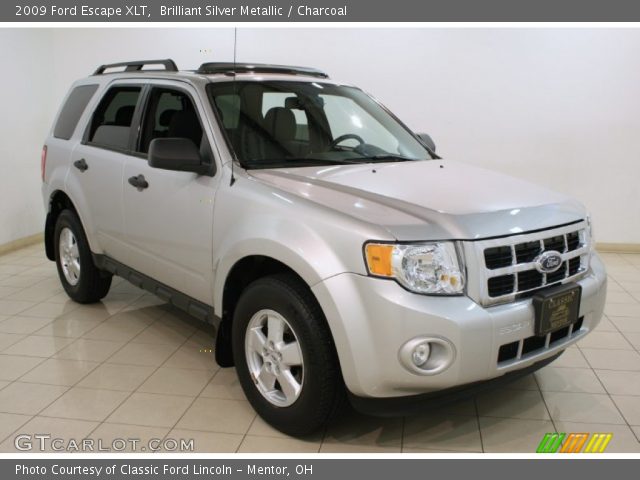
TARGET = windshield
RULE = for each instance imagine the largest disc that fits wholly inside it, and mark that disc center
(294, 124)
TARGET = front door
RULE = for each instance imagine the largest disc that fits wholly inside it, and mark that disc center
(168, 215)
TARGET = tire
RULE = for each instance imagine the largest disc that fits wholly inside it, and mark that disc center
(322, 388)
(82, 281)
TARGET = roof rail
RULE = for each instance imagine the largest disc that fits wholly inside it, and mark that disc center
(136, 66)
(229, 68)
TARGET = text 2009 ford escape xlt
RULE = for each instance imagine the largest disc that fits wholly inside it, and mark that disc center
(333, 250)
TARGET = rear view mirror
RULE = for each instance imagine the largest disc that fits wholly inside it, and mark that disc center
(293, 103)
(178, 154)
(428, 141)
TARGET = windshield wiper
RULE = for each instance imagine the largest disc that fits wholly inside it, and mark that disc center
(300, 162)
(384, 157)
(337, 161)
(333, 160)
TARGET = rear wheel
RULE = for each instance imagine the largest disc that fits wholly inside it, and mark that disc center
(284, 355)
(80, 278)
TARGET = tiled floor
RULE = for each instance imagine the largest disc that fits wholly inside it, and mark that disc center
(131, 367)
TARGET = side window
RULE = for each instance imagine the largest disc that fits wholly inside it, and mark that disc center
(72, 111)
(169, 114)
(111, 122)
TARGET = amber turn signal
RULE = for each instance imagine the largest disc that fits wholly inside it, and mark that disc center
(379, 259)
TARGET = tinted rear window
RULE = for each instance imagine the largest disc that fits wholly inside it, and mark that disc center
(72, 111)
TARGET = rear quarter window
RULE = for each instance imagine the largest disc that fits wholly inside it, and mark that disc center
(72, 111)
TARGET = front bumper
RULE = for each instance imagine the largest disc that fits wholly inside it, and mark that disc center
(398, 406)
(372, 318)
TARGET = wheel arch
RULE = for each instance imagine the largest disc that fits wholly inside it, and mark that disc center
(58, 202)
(242, 273)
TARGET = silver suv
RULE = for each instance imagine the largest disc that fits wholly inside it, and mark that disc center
(336, 254)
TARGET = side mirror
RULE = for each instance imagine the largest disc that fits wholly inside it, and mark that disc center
(428, 141)
(178, 154)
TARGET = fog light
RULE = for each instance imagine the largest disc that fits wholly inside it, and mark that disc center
(421, 354)
(427, 355)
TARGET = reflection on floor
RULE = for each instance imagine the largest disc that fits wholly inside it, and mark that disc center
(134, 368)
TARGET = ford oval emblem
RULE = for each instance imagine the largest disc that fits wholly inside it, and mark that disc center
(548, 262)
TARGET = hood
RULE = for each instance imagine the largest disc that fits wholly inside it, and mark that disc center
(433, 199)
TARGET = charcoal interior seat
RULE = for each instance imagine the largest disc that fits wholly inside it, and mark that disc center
(124, 116)
(165, 118)
(185, 124)
(280, 122)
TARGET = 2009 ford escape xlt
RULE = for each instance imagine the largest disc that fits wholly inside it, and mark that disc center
(336, 254)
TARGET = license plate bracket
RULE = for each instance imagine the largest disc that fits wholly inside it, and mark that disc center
(556, 307)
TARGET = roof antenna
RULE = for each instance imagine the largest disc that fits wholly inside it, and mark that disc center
(235, 92)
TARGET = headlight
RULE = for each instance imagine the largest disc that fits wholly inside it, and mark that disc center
(430, 268)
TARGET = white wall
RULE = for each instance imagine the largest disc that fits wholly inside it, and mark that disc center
(24, 120)
(558, 106)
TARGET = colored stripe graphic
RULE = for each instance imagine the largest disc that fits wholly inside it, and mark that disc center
(598, 443)
(574, 443)
(550, 442)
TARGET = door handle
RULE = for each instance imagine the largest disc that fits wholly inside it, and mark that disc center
(139, 182)
(81, 165)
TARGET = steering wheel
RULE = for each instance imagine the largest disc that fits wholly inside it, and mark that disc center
(347, 136)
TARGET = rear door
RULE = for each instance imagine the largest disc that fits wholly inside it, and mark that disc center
(97, 165)
(169, 223)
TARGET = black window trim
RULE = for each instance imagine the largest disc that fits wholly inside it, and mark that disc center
(137, 120)
(127, 151)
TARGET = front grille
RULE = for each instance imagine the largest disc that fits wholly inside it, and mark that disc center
(558, 275)
(500, 285)
(533, 345)
(511, 272)
(526, 252)
(529, 279)
(573, 240)
(556, 243)
(574, 266)
(498, 257)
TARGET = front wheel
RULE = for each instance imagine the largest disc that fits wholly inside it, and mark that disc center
(285, 356)
(80, 278)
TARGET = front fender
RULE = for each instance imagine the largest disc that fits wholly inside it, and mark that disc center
(312, 271)
(251, 218)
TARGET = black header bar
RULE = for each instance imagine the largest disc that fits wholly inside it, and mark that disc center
(302, 11)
